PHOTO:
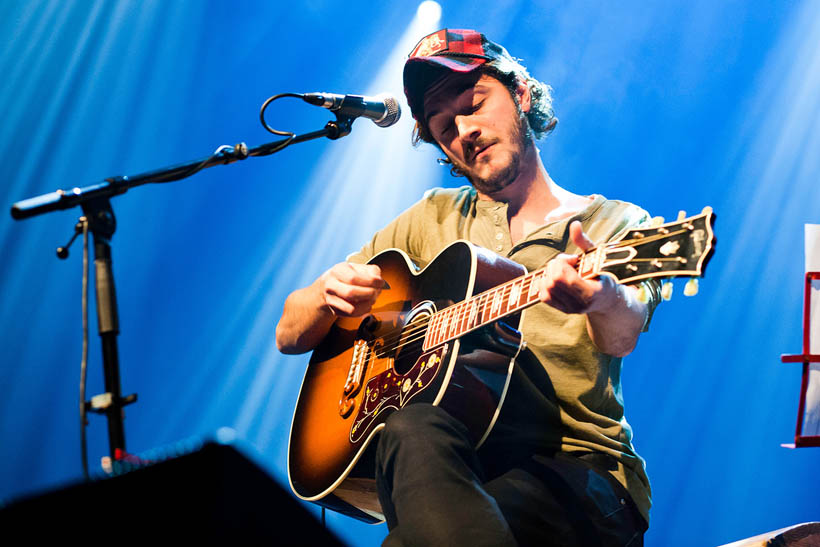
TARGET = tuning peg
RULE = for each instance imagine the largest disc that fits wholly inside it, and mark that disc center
(706, 210)
(691, 287)
(666, 290)
(657, 221)
(643, 295)
(681, 215)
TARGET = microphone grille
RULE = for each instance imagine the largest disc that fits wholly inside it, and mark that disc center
(393, 112)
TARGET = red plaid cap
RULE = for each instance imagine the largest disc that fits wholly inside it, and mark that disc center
(446, 50)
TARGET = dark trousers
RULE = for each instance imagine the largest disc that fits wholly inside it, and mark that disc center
(435, 490)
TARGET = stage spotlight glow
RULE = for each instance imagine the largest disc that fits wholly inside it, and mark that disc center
(429, 12)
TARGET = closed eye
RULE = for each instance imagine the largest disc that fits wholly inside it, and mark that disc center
(439, 125)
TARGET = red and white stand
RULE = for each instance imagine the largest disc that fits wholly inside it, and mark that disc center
(811, 367)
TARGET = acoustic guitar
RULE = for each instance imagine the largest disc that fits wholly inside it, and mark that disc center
(445, 335)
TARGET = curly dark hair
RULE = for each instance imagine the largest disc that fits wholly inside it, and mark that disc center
(541, 119)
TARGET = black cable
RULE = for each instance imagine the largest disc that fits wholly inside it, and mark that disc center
(288, 134)
(84, 359)
(240, 150)
(198, 167)
(201, 165)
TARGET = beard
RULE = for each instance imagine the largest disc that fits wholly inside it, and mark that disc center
(497, 181)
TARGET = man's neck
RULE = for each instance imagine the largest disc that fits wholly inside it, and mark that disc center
(534, 199)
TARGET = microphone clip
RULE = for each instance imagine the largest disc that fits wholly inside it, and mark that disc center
(339, 128)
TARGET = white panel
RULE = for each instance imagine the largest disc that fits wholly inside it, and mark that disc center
(811, 418)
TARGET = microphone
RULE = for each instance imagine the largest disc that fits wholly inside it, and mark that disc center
(382, 109)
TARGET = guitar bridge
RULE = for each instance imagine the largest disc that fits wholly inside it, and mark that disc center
(361, 351)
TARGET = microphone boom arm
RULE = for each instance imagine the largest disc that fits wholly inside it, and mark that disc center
(114, 186)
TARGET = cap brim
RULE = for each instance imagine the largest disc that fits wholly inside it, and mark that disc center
(421, 72)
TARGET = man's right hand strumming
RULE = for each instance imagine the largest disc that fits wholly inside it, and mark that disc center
(346, 289)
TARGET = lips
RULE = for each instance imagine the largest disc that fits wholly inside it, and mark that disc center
(480, 150)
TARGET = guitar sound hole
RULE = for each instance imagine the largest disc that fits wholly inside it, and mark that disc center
(407, 348)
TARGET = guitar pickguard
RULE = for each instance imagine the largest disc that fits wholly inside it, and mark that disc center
(391, 391)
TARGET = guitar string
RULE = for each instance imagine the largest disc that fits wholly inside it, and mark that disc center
(460, 312)
(460, 309)
(525, 286)
(418, 327)
(505, 290)
(460, 316)
(500, 294)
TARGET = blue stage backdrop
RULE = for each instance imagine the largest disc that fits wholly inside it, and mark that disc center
(673, 105)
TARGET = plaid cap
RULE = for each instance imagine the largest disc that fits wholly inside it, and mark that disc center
(443, 52)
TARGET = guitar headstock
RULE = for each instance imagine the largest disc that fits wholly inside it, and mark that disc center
(680, 248)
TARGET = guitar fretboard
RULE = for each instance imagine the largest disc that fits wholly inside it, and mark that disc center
(672, 249)
(482, 309)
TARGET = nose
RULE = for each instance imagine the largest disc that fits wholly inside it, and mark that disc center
(468, 130)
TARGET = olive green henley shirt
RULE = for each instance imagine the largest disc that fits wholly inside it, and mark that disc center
(568, 395)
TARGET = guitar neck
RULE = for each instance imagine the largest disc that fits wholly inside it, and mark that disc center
(679, 248)
(500, 301)
(483, 309)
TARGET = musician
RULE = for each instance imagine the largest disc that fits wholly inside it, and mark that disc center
(559, 467)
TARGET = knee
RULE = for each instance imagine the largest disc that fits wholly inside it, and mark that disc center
(419, 422)
(421, 429)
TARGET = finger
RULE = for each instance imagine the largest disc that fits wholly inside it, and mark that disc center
(548, 293)
(366, 275)
(351, 293)
(553, 298)
(565, 300)
(564, 290)
(339, 306)
(578, 237)
(571, 302)
(361, 275)
(562, 268)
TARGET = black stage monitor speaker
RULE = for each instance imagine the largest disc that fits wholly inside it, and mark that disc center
(212, 495)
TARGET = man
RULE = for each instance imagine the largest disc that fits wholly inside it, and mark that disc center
(559, 468)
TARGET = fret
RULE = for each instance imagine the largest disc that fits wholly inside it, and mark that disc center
(460, 317)
(445, 322)
(453, 322)
(482, 308)
(532, 293)
(465, 316)
(504, 304)
(435, 328)
(473, 316)
(515, 293)
(495, 310)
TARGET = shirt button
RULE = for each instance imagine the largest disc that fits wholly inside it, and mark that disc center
(498, 248)
(499, 236)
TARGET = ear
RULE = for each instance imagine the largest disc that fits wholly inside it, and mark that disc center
(522, 91)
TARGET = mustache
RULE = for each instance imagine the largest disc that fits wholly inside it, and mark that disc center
(472, 148)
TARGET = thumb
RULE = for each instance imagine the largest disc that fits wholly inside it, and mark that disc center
(578, 237)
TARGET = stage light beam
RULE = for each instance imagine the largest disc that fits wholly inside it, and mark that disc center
(429, 12)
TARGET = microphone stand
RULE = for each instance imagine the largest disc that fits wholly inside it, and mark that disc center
(96, 206)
